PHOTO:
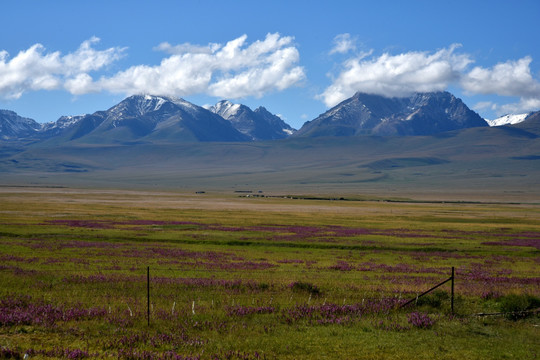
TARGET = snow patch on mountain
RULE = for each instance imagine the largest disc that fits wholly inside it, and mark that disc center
(150, 103)
(186, 105)
(288, 131)
(509, 119)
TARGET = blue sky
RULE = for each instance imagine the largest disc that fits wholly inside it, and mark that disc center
(296, 58)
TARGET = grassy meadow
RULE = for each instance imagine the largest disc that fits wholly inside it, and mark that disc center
(234, 277)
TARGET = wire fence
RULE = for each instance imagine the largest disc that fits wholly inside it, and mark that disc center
(144, 291)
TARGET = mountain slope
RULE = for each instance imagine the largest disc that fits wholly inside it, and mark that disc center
(15, 127)
(531, 123)
(420, 114)
(258, 125)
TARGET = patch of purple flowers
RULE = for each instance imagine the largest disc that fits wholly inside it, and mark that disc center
(337, 314)
(420, 320)
(57, 352)
(249, 310)
(132, 354)
(22, 310)
(342, 266)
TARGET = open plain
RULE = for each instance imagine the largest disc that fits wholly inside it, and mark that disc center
(133, 274)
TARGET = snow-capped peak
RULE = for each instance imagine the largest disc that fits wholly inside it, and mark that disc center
(509, 119)
(139, 105)
(225, 109)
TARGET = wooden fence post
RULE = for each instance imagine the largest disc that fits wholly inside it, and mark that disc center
(451, 279)
(452, 293)
(148, 293)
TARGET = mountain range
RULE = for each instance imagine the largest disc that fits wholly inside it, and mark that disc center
(155, 119)
(145, 118)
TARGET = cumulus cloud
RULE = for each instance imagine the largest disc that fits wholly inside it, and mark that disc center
(343, 43)
(406, 73)
(522, 106)
(186, 48)
(35, 69)
(397, 75)
(80, 84)
(233, 70)
(512, 78)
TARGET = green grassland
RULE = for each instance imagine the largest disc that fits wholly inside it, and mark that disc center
(280, 277)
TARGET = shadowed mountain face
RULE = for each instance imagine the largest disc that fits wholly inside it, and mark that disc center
(531, 123)
(259, 124)
(420, 114)
(13, 126)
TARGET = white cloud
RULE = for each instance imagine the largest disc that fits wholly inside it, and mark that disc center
(343, 43)
(511, 78)
(86, 59)
(80, 84)
(35, 69)
(483, 105)
(397, 75)
(187, 48)
(524, 105)
(233, 70)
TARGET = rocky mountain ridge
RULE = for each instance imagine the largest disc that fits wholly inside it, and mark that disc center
(13, 126)
(419, 114)
(258, 124)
